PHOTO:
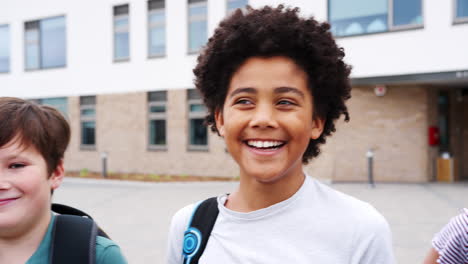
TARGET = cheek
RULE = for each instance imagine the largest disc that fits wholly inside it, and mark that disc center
(35, 184)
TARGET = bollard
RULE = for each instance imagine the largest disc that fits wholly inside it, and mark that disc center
(370, 164)
(104, 164)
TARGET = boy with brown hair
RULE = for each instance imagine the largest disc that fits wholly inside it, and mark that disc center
(274, 85)
(33, 139)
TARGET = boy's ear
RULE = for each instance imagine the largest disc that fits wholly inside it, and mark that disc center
(317, 128)
(57, 176)
(219, 122)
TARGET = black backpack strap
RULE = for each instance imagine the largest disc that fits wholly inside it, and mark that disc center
(68, 210)
(73, 240)
(198, 232)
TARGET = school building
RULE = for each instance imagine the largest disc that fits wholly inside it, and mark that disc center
(121, 71)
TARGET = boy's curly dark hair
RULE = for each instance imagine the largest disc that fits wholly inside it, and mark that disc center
(268, 32)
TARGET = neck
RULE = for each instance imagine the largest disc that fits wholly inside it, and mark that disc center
(254, 195)
(20, 243)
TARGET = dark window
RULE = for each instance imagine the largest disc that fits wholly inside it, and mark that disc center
(157, 119)
(198, 132)
(88, 121)
(443, 120)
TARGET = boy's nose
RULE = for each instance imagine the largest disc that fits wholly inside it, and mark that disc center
(263, 117)
(4, 185)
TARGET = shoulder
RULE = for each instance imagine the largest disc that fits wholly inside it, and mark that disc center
(453, 233)
(347, 206)
(368, 224)
(182, 217)
(370, 233)
(108, 252)
(179, 224)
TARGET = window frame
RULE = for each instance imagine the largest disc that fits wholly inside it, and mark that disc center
(196, 115)
(7, 26)
(457, 20)
(114, 31)
(88, 119)
(156, 25)
(196, 18)
(157, 116)
(39, 55)
(390, 26)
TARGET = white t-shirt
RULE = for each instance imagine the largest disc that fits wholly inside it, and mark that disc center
(316, 225)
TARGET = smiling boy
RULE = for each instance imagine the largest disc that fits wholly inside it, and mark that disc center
(274, 85)
(33, 139)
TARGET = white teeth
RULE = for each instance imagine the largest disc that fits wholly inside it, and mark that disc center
(264, 144)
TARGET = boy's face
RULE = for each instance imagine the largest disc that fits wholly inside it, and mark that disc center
(267, 118)
(25, 188)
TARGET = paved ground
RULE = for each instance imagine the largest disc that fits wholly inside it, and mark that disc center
(137, 215)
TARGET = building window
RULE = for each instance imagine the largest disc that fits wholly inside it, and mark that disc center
(157, 119)
(371, 16)
(232, 5)
(461, 11)
(156, 28)
(198, 132)
(59, 103)
(197, 24)
(4, 48)
(121, 33)
(88, 121)
(45, 45)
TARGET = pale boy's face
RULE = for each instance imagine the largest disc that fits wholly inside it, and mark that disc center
(24, 188)
(267, 118)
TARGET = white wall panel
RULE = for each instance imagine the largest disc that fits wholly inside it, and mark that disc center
(439, 46)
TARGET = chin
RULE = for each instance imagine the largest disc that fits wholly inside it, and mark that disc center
(265, 177)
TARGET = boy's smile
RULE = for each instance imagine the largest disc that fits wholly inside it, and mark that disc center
(267, 118)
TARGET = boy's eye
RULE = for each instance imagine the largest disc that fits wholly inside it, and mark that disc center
(286, 102)
(244, 101)
(16, 166)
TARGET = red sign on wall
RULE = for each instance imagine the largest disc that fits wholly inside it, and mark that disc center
(434, 136)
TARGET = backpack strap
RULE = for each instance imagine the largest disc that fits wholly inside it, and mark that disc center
(68, 210)
(73, 240)
(198, 232)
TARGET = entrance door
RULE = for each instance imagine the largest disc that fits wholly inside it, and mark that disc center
(463, 164)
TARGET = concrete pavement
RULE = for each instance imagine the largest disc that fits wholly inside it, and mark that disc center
(137, 215)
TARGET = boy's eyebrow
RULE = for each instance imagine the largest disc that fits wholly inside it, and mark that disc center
(243, 90)
(285, 89)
